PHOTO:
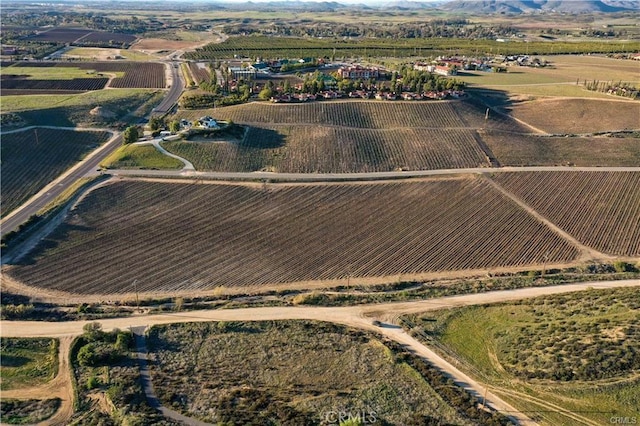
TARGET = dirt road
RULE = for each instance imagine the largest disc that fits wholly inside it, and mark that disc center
(59, 387)
(356, 316)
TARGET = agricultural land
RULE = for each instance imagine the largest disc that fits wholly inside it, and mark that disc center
(320, 213)
(33, 157)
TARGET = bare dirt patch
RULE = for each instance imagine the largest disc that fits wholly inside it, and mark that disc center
(156, 44)
(579, 115)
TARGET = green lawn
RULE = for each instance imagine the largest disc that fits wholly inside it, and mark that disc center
(27, 362)
(140, 157)
(578, 351)
(50, 73)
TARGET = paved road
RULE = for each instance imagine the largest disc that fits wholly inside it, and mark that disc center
(358, 176)
(173, 94)
(58, 186)
(361, 316)
(90, 164)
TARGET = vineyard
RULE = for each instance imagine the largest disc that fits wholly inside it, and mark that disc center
(77, 84)
(365, 114)
(82, 37)
(199, 72)
(324, 149)
(33, 158)
(143, 75)
(600, 209)
(529, 150)
(210, 235)
(290, 47)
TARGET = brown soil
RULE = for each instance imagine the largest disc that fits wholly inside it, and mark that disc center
(156, 44)
(579, 116)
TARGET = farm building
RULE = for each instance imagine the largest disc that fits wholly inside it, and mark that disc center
(357, 71)
(248, 73)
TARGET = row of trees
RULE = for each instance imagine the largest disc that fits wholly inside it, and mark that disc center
(453, 28)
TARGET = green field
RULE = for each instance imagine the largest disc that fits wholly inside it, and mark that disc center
(33, 158)
(140, 157)
(27, 362)
(293, 373)
(74, 110)
(552, 355)
(50, 73)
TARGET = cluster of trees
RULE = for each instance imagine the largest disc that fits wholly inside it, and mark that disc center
(416, 81)
(452, 28)
(99, 347)
(97, 21)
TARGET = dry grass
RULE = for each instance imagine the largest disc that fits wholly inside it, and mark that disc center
(579, 115)
(300, 370)
(525, 150)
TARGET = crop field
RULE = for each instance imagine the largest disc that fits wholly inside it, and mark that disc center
(77, 84)
(600, 209)
(323, 149)
(577, 351)
(27, 362)
(255, 235)
(294, 373)
(143, 75)
(367, 115)
(562, 116)
(199, 72)
(83, 37)
(33, 158)
(529, 150)
(291, 46)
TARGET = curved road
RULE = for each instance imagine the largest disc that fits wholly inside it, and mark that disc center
(360, 316)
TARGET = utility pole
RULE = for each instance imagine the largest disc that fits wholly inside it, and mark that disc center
(135, 286)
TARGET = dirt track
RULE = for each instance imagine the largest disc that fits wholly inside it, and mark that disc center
(357, 316)
(59, 387)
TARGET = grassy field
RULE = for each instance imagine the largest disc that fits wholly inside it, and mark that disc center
(297, 372)
(578, 201)
(33, 158)
(73, 110)
(94, 53)
(27, 362)
(49, 73)
(140, 157)
(578, 115)
(256, 235)
(561, 78)
(578, 352)
(524, 150)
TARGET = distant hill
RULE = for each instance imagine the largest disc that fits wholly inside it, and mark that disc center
(537, 6)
